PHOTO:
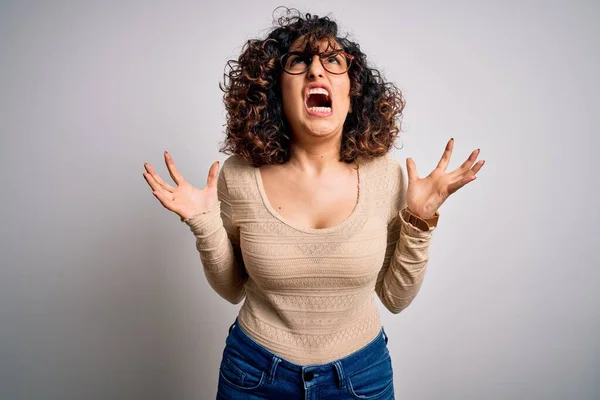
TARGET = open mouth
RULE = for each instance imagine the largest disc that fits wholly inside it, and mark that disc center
(318, 101)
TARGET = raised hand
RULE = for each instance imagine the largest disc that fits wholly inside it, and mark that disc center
(424, 196)
(183, 199)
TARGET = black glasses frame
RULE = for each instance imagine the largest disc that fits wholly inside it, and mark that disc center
(326, 53)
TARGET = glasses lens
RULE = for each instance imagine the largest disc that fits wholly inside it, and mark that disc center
(297, 63)
(336, 63)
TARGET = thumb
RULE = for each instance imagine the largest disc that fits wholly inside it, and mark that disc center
(213, 174)
(411, 170)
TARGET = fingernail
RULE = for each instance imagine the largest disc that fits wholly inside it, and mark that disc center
(451, 138)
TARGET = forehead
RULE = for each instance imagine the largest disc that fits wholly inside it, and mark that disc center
(310, 44)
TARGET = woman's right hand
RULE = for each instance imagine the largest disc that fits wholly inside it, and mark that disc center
(183, 199)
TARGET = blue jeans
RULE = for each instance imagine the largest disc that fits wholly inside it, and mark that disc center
(250, 371)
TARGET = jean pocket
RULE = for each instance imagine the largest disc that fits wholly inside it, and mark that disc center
(374, 382)
(238, 373)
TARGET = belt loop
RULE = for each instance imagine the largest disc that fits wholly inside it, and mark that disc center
(274, 363)
(340, 372)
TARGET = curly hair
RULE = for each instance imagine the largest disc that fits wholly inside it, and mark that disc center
(257, 129)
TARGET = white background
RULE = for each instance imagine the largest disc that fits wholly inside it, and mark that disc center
(102, 295)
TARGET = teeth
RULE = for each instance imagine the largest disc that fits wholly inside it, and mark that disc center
(320, 109)
(318, 90)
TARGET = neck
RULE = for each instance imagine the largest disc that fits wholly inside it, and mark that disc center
(315, 154)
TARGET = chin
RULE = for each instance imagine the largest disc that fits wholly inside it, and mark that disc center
(323, 129)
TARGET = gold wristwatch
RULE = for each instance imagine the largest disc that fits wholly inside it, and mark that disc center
(421, 223)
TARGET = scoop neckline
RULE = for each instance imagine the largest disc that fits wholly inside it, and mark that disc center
(349, 218)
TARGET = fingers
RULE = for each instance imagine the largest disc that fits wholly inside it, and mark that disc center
(443, 164)
(477, 167)
(158, 179)
(163, 199)
(469, 175)
(175, 175)
(469, 162)
(156, 188)
(466, 178)
(453, 187)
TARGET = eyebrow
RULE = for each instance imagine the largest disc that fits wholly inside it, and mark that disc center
(321, 52)
(305, 46)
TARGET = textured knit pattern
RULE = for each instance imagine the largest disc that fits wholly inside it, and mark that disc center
(309, 293)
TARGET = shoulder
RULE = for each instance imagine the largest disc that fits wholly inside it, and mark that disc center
(236, 177)
(386, 171)
(235, 161)
(234, 167)
(393, 165)
(396, 177)
(385, 185)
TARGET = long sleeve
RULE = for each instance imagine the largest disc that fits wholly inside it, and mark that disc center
(218, 242)
(407, 252)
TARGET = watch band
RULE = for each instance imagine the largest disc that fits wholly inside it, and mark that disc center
(424, 224)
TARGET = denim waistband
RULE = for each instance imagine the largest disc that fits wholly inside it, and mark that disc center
(312, 374)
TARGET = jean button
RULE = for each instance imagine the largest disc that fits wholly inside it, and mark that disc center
(308, 376)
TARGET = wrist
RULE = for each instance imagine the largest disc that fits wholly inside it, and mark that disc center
(424, 224)
(422, 214)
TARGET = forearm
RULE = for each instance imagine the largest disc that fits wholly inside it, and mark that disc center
(222, 267)
(399, 283)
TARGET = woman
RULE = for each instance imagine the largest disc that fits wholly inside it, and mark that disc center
(309, 216)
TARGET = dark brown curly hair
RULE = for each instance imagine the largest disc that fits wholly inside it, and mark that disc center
(257, 129)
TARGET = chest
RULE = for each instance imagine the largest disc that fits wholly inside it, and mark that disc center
(311, 203)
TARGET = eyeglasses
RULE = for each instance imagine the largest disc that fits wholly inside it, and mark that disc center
(334, 62)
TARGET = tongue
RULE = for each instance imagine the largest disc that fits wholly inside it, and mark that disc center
(318, 100)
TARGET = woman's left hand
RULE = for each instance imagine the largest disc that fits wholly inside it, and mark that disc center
(424, 196)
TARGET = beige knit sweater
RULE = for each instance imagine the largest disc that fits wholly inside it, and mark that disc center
(309, 293)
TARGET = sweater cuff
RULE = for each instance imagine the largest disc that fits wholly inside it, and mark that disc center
(205, 221)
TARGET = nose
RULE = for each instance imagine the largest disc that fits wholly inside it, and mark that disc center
(316, 68)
